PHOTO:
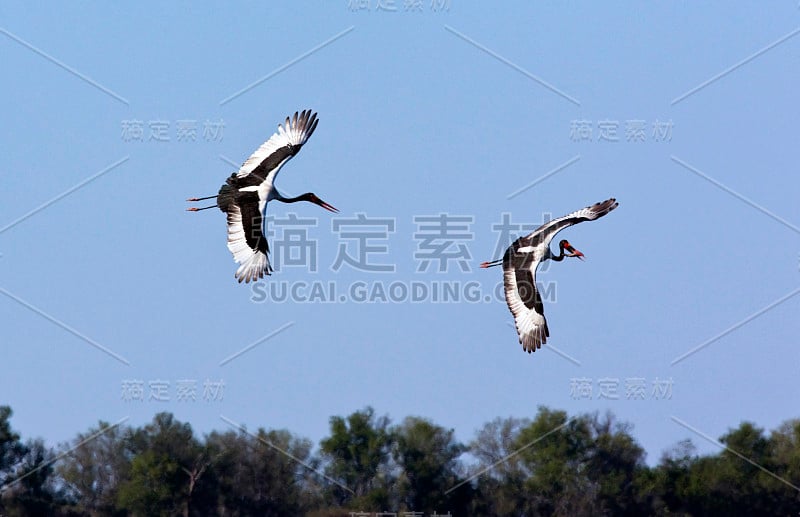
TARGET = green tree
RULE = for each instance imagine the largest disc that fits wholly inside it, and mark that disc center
(357, 457)
(785, 447)
(25, 472)
(740, 487)
(742, 482)
(556, 465)
(167, 473)
(427, 456)
(11, 448)
(752, 476)
(153, 486)
(553, 451)
(261, 474)
(500, 475)
(94, 465)
(614, 463)
(671, 486)
(32, 491)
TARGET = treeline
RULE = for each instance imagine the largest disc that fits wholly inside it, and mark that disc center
(550, 465)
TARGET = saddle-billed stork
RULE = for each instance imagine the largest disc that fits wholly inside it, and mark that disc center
(245, 195)
(520, 262)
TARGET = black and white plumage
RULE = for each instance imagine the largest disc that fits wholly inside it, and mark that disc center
(520, 262)
(245, 194)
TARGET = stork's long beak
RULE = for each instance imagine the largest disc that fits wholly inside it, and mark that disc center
(328, 207)
(573, 252)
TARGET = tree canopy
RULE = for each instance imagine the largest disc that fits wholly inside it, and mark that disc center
(550, 464)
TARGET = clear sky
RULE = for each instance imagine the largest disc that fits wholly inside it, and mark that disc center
(687, 114)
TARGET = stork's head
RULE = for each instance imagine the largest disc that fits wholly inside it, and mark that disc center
(313, 198)
(565, 245)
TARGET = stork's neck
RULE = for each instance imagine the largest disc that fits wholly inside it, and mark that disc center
(274, 194)
(283, 199)
(301, 197)
(557, 258)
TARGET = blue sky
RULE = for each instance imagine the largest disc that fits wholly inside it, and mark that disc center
(449, 109)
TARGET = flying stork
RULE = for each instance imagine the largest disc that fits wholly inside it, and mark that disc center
(520, 262)
(245, 195)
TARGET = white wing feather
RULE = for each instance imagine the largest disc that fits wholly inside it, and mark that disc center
(295, 132)
(531, 326)
(253, 263)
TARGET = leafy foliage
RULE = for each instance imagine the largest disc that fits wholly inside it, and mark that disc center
(357, 454)
(427, 457)
(551, 464)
